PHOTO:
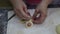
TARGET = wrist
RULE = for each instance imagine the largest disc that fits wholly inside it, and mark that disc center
(47, 1)
(44, 4)
(15, 1)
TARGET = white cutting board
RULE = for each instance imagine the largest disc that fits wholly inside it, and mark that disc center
(48, 27)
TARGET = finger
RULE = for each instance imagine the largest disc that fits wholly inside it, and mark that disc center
(26, 11)
(18, 14)
(25, 15)
(41, 18)
(35, 14)
(35, 21)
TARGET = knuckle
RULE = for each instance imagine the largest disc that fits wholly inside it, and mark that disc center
(45, 15)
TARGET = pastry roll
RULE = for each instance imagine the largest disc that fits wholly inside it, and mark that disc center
(29, 23)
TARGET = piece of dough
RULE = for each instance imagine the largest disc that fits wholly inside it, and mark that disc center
(29, 24)
(58, 29)
(23, 21)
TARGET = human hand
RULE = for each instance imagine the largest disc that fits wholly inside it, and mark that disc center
(20, 9)
(41, 12)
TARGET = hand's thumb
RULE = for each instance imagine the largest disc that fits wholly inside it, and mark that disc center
(26, 11)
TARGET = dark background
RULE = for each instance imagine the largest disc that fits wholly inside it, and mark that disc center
(7, 4)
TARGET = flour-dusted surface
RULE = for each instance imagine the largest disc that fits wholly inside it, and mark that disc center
(48, 27)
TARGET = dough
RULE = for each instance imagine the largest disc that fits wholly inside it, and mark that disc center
(58, 29)
(29, 23)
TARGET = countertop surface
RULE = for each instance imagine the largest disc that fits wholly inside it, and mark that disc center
(48, 27)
